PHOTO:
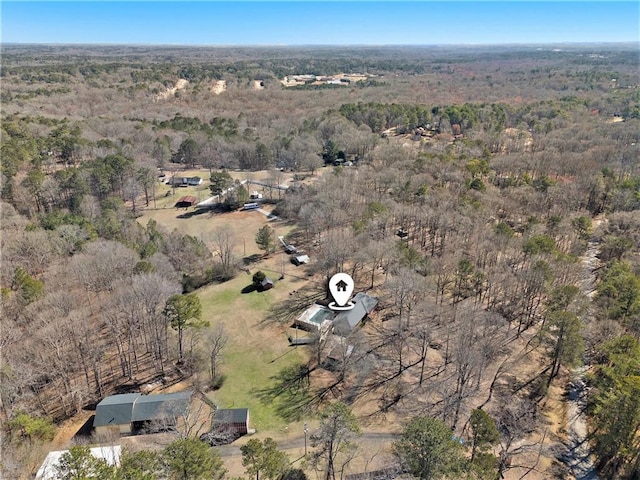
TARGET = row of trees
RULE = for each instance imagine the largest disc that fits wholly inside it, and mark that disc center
(426, 448)
(615, 407)
(614, 399)
(184, 459)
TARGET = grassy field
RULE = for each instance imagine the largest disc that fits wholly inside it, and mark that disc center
(257, 348)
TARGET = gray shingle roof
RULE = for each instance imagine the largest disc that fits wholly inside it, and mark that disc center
(346, 321)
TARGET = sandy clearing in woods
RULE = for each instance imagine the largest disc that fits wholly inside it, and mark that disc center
(219, 87)
(170, 92)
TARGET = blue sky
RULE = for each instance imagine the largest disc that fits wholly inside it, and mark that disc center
(324, 23)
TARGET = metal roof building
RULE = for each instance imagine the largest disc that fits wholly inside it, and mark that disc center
(152, 407)
(232, 419)
(119, 412)
(115, 410)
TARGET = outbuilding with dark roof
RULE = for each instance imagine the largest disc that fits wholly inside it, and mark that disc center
(129, 412)
(186, 201)
(232, 419)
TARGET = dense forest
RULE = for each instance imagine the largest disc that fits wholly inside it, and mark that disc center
(489, 197)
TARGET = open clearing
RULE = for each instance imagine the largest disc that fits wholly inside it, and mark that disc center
(257, 348)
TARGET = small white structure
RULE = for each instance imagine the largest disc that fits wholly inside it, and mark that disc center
(300, 259)
(47, 471)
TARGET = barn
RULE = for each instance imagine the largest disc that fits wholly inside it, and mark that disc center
(127, 413)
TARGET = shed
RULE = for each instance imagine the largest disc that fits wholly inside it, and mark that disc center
(290, 249)
(338, 355)
(233, 420)
(266, 284)
(346, 321)
(186, 201)
(126, 413)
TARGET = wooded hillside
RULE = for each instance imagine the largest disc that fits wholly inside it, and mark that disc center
(490, 198)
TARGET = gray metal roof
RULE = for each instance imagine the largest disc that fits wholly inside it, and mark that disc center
(232, 415)
(153, 407)
(115, 410)
(346, 321)
(135, 407)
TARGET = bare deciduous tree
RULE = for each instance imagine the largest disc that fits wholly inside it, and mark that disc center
(215, 343)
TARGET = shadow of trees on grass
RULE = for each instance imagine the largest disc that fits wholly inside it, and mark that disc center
(290, 393)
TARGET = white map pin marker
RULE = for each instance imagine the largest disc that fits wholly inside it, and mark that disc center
(341, 287)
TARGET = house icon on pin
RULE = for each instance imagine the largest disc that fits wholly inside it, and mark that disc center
(341, 286)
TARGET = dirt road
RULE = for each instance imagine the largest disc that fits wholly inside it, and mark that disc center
(578, 456)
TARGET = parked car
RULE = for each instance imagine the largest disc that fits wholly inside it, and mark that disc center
(290, 249)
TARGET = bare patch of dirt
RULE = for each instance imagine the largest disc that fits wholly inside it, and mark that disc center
(170, 92)
(67, 429)
(218, 87)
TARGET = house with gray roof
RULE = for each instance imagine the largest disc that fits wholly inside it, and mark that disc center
(129, 412)
(345, 321)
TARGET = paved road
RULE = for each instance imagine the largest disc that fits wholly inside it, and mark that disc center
(366, 439)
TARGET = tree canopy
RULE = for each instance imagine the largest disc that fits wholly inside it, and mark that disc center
(264, 458)
(184, 311)
(428, 449)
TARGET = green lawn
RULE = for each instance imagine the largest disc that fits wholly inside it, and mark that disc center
(257, 349)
